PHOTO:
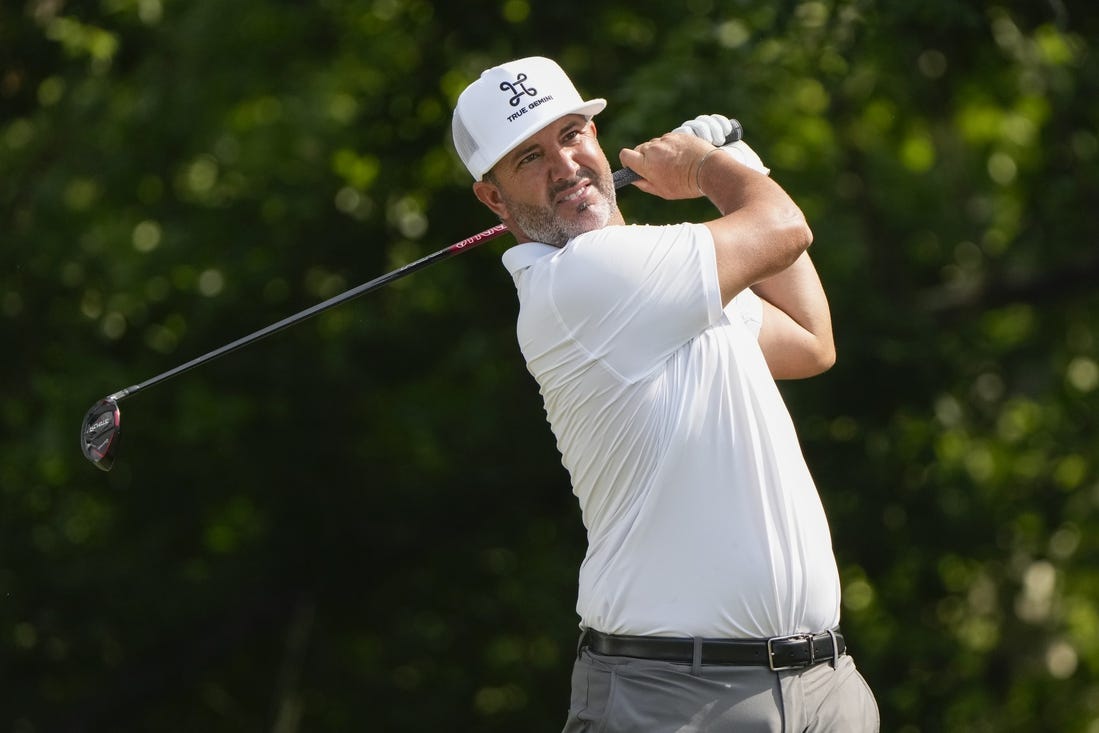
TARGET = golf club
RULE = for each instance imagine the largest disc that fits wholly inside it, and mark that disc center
(99, 432)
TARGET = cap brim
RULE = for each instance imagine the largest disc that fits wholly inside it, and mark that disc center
(589, 109)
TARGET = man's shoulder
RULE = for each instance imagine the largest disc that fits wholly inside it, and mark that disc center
(611, 243)
(629, 235)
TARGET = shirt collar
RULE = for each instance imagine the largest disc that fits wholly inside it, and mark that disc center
(522, 256)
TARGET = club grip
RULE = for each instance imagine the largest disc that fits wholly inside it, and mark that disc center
(626, 176)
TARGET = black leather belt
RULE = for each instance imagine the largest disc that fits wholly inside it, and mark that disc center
(783, 652)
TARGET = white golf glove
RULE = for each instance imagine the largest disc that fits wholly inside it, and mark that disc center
(714, 129)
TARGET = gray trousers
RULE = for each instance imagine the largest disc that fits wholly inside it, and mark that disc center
(624, 695)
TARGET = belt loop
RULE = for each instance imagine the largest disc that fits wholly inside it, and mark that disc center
(835, 649)
(580, 643)
(696, 655)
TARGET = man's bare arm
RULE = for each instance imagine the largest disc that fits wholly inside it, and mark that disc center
(761, 231)
(796, 335)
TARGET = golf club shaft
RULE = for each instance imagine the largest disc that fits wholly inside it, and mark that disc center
(621, 178)
(445, 253)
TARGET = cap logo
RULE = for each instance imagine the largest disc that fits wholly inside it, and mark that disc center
(517, 89)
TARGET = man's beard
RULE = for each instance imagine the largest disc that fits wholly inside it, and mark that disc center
(542, 224)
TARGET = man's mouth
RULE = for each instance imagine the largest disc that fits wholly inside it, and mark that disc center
(574, 193)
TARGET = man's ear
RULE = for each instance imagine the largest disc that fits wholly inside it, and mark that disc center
(489, 195)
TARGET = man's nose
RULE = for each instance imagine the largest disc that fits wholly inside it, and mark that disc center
(563, 165)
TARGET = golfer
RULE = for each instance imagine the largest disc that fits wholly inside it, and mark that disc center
(709, 596)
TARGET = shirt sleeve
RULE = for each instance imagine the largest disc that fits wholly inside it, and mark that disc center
(631, 295)
(748, 307)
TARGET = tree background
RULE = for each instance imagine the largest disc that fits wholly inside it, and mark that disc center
(362, 523)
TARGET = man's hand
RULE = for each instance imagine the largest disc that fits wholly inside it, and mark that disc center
(668, 165)
(715, 129)
(712, 128)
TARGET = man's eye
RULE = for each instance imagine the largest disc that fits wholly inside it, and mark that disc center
(529, 158)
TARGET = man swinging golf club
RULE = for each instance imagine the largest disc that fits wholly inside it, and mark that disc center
(709, 596)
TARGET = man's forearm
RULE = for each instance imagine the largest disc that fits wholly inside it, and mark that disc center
(797, 291)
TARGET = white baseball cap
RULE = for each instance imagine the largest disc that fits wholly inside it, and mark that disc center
(508, 104)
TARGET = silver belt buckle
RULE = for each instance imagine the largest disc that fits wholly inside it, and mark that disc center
(791, 637)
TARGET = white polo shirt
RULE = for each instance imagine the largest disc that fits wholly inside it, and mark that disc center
(702, 517)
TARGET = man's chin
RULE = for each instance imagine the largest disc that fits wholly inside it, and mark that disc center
(588, 220)
(565, 224)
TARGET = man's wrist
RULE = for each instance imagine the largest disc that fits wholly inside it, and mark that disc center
(698, 170)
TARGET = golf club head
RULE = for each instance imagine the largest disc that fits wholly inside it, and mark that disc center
(99, 433)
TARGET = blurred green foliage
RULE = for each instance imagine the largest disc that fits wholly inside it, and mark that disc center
(362, 523)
